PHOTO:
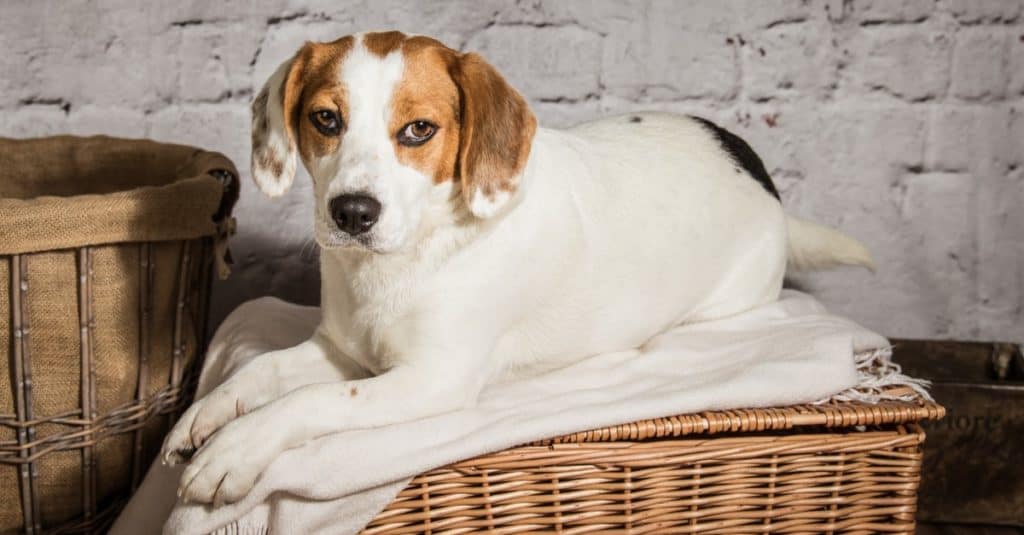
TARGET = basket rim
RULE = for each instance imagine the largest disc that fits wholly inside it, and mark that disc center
(195, 195)
(831, 415)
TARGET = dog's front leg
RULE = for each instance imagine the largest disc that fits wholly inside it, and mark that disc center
(265, 378)
(226, 468)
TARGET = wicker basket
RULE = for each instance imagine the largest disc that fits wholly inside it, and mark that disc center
(831, 468)
(103, 307)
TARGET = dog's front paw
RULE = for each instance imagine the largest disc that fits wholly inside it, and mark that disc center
(200, 421)
(226, 468)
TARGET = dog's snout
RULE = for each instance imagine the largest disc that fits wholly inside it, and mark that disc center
(355, 214)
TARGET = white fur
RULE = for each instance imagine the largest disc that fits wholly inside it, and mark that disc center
(619, 230)
(487, 207)
(814, 246)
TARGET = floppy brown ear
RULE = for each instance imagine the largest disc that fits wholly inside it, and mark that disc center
(496, 132)
(273, 127)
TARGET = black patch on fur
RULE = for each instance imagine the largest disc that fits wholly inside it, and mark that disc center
(636, 119)
(742, 155)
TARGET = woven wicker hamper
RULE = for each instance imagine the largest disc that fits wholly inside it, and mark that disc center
(840, 467)
(106, 250)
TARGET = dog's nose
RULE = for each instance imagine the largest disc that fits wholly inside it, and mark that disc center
(355, 214)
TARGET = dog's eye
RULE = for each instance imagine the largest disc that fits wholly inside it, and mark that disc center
(326, 121)
(416, 133)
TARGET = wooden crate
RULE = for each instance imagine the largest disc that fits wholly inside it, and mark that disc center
(972, 471)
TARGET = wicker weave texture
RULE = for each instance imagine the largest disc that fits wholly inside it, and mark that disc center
(805, 469)
(91, 408)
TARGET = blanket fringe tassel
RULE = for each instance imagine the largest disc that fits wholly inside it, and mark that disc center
(877, 376)
(238, 528)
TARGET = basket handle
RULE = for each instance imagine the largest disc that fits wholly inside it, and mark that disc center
(226, 225)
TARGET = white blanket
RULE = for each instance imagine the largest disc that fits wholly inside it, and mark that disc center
(788, 352)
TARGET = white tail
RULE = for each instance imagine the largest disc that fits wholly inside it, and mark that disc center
(813, 246)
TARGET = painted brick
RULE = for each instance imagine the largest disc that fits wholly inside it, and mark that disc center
(33, 121)
(1015, 140)
(666, 55)
(899, 122)
(875, 141)
(571, 74)
(215, 60)
(980, 64)
(91, 120)
(1000, 223)
(947, 259)
(790, 61)
(902, 61)
(971, 137)
(1016, 61)
(985, 10)
(875, 11)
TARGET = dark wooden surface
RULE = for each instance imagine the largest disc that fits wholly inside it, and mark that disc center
(961, 529)
(972, 470)
(952, 361)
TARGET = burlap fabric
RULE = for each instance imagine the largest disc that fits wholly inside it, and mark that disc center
(106, 249)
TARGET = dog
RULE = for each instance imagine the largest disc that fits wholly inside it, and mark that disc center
(462, 244)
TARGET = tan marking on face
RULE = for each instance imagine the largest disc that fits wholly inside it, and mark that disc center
(383, 43)
(313, 85)
(427, 93)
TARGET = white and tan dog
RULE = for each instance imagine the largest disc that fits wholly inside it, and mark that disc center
(461, 243)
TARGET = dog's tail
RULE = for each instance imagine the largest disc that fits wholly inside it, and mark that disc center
(813, 246)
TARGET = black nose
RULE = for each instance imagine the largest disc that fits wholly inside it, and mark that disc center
(355, 214)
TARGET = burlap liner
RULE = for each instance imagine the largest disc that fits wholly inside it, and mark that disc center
(105, 190)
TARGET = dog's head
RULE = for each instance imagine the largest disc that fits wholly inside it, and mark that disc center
(387, 125)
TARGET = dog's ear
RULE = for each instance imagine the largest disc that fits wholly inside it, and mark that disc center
(496, 132)
(275, 128)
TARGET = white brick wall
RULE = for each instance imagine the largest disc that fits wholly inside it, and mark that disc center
(901, 122)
